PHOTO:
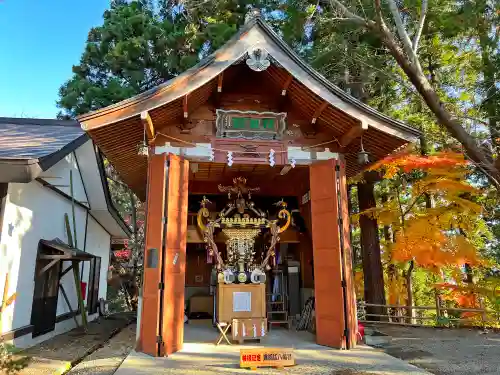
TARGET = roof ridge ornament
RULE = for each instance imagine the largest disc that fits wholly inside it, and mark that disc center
(252, 14)
(258, 59)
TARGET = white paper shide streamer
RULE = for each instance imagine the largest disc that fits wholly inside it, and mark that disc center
(271, 157)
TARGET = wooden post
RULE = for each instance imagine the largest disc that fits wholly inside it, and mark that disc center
(79, 293)
(483, 313)
(73, 206)
(438, 305)
(67, 303)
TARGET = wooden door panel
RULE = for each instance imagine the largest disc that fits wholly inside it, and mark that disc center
(175, 255)
(349, 276)
(157, 177)
(326, 250)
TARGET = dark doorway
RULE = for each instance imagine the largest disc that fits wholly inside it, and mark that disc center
(93, 288)
(44, 310)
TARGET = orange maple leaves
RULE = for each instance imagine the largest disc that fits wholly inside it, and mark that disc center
(407, 161)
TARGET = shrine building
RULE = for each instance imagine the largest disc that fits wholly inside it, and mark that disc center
(242, 161)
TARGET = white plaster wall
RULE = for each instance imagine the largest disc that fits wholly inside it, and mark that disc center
(87, 161)
(34, 212)
(59, 174)
(98, 243)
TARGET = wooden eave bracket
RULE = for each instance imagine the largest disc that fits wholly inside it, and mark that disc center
(353, 133)
(219, 82)
(286, 85)
(218, 91)
(284, 92)
(147, 122)
(318, 112)
(313, 130)
(185, 114)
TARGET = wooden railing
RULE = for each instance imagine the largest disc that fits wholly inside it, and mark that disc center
(427, 315)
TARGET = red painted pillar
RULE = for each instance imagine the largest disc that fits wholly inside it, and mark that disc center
(334, 304)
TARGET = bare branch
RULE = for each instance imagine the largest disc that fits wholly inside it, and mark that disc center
(418, 34)
(405, 39)
(336, 4)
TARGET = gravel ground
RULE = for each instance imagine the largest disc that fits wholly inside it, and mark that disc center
(446, 351)
(107, 359)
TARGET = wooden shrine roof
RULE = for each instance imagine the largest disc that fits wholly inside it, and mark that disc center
(118, 129)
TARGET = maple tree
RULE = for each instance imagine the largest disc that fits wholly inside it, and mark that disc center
(439, 238)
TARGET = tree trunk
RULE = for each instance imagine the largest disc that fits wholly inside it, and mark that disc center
(431, 98)
(370, 246)
(489, 70)
(410, 313)
(351, 227)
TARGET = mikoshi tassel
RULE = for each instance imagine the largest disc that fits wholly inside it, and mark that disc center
(210, 256)
(263, 329)
(244, 333)
(255, 330)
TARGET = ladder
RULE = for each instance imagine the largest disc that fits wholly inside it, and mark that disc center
(277, 301)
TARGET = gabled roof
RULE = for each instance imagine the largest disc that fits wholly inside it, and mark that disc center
(255, 33)
(118, 128)
(30, 146)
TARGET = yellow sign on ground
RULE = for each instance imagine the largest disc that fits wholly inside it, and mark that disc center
(266, 357)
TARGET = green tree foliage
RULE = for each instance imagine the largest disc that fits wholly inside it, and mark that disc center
(142, 44)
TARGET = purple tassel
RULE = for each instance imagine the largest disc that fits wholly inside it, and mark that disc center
(210, 257)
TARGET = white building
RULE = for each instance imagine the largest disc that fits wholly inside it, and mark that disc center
(49, 169)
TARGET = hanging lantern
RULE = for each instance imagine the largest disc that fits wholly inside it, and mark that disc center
(363, 156)
(142, 149)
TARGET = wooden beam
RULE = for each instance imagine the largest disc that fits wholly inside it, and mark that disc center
(185, 114)
(54, 256)
(318, 112)
(47, 267)
(286, 85)
(147, 122)
(219, 82)
(67, 302)
(353, 133)
(185, 108)
(218, 91)
(284, 90)
(65, 271)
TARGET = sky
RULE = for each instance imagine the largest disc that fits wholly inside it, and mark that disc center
(40, 41)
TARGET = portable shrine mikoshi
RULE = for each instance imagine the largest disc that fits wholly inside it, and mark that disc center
(241, 292)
